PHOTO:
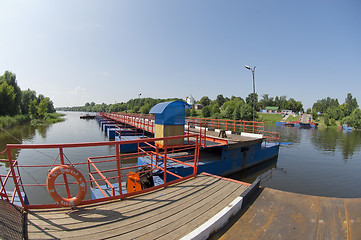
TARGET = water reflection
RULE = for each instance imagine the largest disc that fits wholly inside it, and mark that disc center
(330, 141)
(264, 171)
(17, 135)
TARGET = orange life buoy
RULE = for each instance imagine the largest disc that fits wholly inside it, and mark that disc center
(65, 169)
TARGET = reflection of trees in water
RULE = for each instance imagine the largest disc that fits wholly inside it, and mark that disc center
(43, 130)
(19, 134)
(331, 140)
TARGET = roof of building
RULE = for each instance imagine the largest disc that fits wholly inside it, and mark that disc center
(272, 108)
(160, 107)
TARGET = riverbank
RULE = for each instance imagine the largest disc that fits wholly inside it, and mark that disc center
(11, 121)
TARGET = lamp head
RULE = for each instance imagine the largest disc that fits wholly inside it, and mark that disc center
(248, 67)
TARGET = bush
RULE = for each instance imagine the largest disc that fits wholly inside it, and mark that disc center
(7, 121)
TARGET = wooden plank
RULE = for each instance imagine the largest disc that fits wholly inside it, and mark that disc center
(201, 214)
(141, 202)
(133, 217)
(139, 223)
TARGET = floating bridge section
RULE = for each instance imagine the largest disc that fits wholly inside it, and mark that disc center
(209, 130)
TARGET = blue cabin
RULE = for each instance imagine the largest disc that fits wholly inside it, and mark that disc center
(169, 119)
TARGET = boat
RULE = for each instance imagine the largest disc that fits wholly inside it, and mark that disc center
(87, 116)
(310, 124)
(345, 127)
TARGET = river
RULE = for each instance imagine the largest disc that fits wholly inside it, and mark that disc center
(323, 162)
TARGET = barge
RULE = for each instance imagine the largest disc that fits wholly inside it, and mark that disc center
(226, 146)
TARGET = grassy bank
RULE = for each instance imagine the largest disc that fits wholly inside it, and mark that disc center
(270, 117)
(8, 121)
(50, 118)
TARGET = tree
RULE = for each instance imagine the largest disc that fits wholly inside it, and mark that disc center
(220, 100)
(252, 100)
(236, 113)
(7, 99)
(145, 108)
(10, 79)
(33, 109)
(227, 112)
(193, 112)
(356, 118)
(247, 112)
(215, 108)
(326, 119)
(205, 101)
(26, 97)
(206, 111)
(351, 103)
(42, 108)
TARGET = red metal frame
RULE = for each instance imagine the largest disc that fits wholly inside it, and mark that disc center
(97, 175)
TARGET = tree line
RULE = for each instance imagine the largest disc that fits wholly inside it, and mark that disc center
(331, 110)
(222, 107)
(14, 101)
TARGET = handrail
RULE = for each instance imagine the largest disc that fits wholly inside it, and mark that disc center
(95, 166)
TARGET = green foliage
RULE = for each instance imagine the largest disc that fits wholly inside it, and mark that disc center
(193, 113)
(26, 97)
(356, 118)
(42, 109)
(351, 103)
(14, 101)
(247, 112)
(281, 102)
(205, 101)
(7, 99)
(145, 108)
(33, 109)
(10, 79)
(309, 110)
(326, 119)
(252, 98)
(236, 113)
(9, 121)
(187, 112)
(220, 100)
(216, 109)
(206, 111)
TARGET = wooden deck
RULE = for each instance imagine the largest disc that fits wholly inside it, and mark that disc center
(169, 213)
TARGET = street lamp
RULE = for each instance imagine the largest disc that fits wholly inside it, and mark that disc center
(254, 87)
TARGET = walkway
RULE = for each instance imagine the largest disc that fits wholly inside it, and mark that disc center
(170, 213)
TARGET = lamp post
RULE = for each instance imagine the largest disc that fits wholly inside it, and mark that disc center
(254, 87)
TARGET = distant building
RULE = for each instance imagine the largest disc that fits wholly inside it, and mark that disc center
(289, 112)
(190, 100)
(198, 106)
(272, 109)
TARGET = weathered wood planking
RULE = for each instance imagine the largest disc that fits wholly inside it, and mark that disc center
(168, 213)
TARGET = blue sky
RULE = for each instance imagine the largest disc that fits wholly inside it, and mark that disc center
(110, 51)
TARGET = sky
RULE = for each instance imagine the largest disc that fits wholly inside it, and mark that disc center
(111, 51)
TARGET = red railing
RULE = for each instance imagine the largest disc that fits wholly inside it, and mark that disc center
(102, 170)
(146, 123)
(140, 121)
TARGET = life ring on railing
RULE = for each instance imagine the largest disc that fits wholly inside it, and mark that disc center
(50, 184)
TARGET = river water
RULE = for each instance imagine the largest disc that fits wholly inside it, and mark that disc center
(323, 162)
